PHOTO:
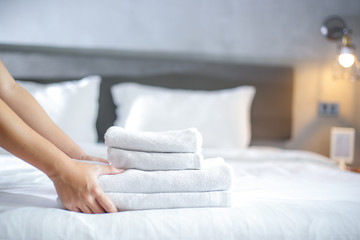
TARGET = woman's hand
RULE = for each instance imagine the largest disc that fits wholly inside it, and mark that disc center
(86, 157)
(79, 190)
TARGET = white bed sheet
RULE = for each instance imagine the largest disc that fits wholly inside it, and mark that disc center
(277, 194)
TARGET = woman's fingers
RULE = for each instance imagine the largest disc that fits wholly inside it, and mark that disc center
(110, 170)
(106, 203)
(101, 197)
(95, 207)
(93, 200)
(100, 204)
(96, 159)
(86, 205)
(97, 201)
(85, 209)
(81, 192)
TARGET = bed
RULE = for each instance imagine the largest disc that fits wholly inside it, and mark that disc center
(276, 193)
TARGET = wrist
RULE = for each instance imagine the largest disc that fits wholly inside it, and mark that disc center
(59, 167)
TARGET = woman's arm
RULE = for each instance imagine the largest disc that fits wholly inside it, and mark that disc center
(27, 132)
(30, 111)
(75, 182)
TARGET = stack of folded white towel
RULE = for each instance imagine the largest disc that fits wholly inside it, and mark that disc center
(163, 170)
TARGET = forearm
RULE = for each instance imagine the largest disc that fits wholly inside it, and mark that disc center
(19, 139)
(29, 110)
(75, 182)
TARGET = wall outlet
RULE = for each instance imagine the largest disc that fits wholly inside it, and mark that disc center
(326, 109)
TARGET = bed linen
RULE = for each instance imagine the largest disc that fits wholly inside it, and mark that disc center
(277, 194)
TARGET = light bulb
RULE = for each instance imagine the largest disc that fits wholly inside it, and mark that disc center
(346, 57)
(346, 60)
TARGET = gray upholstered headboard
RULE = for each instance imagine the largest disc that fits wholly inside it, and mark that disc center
(271, 114)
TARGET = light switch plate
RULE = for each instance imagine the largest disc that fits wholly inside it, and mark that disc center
(327, 109)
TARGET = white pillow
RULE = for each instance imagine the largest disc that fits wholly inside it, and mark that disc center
(72, 105)
(222, 116)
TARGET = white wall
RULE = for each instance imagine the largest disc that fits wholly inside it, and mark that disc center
(264, 31)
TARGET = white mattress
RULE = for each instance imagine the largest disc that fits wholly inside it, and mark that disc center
(276, 194)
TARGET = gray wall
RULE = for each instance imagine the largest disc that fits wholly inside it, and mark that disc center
(259, 31)
(263, 30)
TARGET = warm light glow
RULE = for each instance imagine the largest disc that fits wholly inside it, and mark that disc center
(346, 60)
(346, 57)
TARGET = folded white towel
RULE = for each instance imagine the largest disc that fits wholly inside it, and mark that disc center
(188, 140)
(143, 201)
(146, 201)
(150, 161)
(215, 175)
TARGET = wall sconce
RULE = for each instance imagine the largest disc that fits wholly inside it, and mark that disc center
(347, 67)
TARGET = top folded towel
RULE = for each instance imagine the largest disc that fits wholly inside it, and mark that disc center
(182, 141)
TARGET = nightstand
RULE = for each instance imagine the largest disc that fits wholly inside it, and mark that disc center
(353, 169)
(343, 166)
